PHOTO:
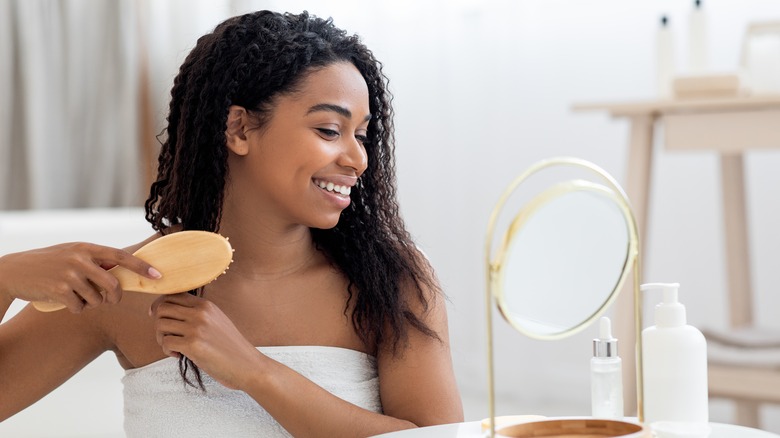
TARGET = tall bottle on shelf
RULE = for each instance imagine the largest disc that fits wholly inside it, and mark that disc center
(665, 62)
(698, 55)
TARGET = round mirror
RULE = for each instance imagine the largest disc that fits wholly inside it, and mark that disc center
(563, 259)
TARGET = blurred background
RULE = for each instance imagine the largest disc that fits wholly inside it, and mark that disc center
(483, 89)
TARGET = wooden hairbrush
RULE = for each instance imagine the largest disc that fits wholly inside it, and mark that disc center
(186, 259)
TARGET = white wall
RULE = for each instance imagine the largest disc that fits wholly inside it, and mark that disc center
(483, 89)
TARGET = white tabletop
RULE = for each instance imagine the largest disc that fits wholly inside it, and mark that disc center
(473, 429)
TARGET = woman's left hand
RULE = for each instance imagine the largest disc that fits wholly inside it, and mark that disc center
(195, 327)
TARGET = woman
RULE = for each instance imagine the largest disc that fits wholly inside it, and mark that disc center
(330, 322)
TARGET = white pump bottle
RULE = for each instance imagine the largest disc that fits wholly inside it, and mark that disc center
(674, 359)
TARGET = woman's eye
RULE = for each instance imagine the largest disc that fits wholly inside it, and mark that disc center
(362, 139)
(328, 133)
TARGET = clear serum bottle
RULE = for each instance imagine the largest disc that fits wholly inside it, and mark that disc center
(606, 375)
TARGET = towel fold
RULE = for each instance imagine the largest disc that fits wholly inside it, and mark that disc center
(159, 404)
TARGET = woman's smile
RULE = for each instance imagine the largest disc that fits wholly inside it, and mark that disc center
(338, 194)
(335, 188)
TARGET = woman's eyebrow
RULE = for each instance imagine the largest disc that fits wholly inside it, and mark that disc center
(334, 108)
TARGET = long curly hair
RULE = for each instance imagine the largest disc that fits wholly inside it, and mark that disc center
(248, 61)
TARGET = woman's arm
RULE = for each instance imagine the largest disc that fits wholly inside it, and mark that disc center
(40, 351)
(417, 385)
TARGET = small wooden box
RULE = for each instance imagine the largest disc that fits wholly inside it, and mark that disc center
(706, 86)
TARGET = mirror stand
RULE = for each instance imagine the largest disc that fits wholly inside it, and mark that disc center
(603, 209)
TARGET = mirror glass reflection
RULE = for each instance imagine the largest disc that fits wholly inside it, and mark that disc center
(563, 258)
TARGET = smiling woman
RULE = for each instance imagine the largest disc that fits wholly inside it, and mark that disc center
(330, 322)
(314, 140)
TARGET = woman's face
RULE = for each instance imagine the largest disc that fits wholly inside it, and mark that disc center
(301, 166)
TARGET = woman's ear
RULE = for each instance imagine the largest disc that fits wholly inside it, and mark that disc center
(235, 130)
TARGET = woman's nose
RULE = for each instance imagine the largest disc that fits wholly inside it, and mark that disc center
(354, 156)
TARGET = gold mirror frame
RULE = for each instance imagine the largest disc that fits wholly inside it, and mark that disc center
(494, 267)
(529, 210)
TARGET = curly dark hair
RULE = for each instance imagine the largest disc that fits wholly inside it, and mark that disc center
(248, 61)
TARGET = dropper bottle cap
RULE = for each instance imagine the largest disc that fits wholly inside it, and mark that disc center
(605, 345)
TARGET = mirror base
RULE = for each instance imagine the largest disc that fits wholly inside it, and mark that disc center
(575, 428)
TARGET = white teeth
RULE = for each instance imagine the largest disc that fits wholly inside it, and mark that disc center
(331, 187)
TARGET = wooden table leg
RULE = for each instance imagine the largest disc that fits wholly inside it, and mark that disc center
(640, 160)
(737, 262)
(737, 252)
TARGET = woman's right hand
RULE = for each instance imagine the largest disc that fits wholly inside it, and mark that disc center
(73, 274)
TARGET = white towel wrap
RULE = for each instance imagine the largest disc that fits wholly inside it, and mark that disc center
(158, 404)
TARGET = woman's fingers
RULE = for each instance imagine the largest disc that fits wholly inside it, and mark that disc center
(71, 300)
(91, 283)
(105, 257)
(173, 322)
(89, 294)
(76, 292)
(101, 286)
(170, 304)
(105, 283)
(166, 329)
(173, 345)
(108, 257)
